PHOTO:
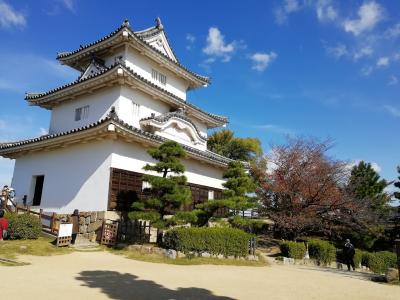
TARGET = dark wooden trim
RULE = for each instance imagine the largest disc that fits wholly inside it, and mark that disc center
(125, 185)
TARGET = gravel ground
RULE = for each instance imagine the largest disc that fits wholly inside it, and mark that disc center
(101, 275)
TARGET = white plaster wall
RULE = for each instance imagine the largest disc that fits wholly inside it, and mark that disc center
(100, 102)
(182, 136)
(201, 127)
(148, 105)
(110, 60)
(75, 177)
(133, 157)
(142, 65)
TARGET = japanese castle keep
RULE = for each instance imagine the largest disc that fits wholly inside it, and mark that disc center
(131, 95)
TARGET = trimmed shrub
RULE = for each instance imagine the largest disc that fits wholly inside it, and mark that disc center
(248, 225)
(225, 241)
(323, 251)
(25, 227)
(359, 258)
(293, 249)
(380, 262)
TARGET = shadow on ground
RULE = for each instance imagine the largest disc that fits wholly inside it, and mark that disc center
(344, 273)
(127, 287)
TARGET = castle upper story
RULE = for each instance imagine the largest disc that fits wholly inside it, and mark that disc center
(138, 75)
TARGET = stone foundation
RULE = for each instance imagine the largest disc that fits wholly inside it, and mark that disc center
(90, 224)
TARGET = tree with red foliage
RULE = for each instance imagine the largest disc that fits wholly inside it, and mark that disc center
(303, 191)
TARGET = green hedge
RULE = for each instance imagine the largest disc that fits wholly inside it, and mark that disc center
(377, 262)
(293, 249)
(380, 262)
(225, 241)
(323, 251)
(25, 227)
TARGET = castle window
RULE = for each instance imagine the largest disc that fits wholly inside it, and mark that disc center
(146, 185)
(82, 113)
(210, 195)
(157, 76)
(135, 109)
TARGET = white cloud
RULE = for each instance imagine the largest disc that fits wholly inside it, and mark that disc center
(341, 50)
(363, 52)
(393, 32)
(377, 168)
(262, 60)
(43, 131)
(12, 128)
(190, 38)
(369, 14)
(275, 128)
(392, 110)
(326, 11)
(217, 47)
(382, 62)
(10, 17)
(338, 51)
(366, 71)
(19, 72)
(393, 80)
(69, 4)
(396, 56)
(282, 12)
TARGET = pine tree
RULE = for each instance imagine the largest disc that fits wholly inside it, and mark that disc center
(365, 184)
(168, 193)
(397, 184)
(225, 143)
(236, 195)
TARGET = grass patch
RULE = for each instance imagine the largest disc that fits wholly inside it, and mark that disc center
(43, 246)
(158, 258)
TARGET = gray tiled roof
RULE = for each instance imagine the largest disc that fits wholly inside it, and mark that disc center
(113, 118)
(140, 38)
(37, 96)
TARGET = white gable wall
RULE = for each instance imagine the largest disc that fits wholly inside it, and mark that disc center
(100, 103)
(148, 105)
(75, 177)
(143, 66)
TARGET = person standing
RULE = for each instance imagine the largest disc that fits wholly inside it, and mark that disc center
(74, 219)
(3, 225)
(348, 253)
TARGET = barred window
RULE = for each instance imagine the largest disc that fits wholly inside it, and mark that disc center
(159, 77)
(82, 113)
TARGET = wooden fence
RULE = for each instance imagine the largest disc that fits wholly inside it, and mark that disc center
(49, 222)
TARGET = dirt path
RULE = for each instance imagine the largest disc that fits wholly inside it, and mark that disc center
(101, 275)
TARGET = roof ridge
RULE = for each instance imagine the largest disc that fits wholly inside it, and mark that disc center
(64, 54)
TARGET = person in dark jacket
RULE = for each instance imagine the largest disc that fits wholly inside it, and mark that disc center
(348, 254)
(74, 219)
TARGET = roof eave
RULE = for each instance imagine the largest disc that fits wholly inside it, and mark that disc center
(121, 129)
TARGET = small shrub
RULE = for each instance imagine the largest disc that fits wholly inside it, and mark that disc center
(293, 249)
(225, 241)
(323, 251)
(248, 225)
(25, 227)
(380, 262)
(359, 258)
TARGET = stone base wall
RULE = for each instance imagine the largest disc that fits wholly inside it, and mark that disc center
(90, 224)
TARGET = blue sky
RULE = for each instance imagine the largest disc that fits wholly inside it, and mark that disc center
(322, 68)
